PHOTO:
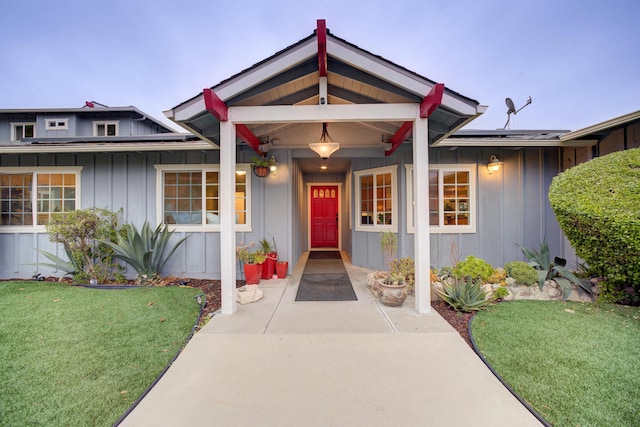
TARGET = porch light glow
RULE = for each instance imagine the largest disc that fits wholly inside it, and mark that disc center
(494, 164)
(273, 165)
(326, 146)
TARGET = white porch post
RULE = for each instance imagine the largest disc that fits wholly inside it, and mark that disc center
(227, 216)
(422, 245)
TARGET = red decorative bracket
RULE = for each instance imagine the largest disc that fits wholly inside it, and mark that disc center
(219, 110)
(399, 137)
(432, 100)
(427, 107)
(245, 134)
(322, 47)
(215, 105)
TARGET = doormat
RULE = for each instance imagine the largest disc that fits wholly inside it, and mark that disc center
(324, 255)
(325, 287)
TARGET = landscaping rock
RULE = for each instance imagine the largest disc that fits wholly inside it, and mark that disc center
(248, 294)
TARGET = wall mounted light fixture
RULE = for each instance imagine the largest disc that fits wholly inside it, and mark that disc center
(273, 165)
(494, 164)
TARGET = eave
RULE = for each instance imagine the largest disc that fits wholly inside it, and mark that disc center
(512, 142)
(599, 127)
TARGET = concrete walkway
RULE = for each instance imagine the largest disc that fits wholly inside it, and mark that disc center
(278, 362)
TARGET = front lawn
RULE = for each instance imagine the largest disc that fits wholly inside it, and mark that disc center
(77, 356)
(575, 364)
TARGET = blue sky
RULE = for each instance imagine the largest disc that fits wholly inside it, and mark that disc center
(578, 60)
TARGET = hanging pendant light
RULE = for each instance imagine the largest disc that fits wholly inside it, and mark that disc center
(326, 146)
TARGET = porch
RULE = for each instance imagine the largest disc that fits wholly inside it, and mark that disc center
(282, 362)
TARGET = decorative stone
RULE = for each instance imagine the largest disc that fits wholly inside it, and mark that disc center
(248, 294)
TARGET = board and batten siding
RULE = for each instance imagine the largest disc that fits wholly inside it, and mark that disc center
(127, 181)
(512, 208)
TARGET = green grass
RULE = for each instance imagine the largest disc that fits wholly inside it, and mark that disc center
(578, 368)
(76, 356)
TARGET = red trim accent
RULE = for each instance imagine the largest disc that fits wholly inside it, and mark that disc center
(399, 137)
(215, 105)
(245, 134)
(432, 100)
(322, 47)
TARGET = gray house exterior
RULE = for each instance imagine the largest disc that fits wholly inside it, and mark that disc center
(428, 179)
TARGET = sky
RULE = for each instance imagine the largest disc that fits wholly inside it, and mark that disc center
(579, 61)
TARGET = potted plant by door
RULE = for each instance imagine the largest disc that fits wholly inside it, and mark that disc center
(269, 267)
(252, 265)
(392, 289)
(261, 166)
(282, 268)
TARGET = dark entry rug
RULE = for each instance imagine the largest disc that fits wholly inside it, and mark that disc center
(325, 279)
(324, 255)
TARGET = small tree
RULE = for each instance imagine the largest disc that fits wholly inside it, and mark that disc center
(79, 232)
(389, 247)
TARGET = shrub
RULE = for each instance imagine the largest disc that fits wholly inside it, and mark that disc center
(144, 250)
(597, 205)
(521, 272)
(473, 267)
(499, 276)
(500, 293)
(463, 295)
(80, 232)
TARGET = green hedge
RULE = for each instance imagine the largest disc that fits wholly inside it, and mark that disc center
(597, 205)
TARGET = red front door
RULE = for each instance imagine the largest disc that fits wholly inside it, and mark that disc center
(324, 216)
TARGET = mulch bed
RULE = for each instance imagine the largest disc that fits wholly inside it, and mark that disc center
(211, 289)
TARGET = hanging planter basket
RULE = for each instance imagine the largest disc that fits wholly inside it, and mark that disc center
(261, 171)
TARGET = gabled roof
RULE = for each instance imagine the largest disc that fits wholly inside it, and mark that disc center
(87, 110)
(354, 76)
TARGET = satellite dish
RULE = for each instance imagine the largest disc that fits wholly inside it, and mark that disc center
(511, 109)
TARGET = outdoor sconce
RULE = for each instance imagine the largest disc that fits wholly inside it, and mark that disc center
(273, 165)
(494, 164)
(326, 146)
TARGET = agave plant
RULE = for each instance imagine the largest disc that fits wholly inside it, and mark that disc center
(144, 250)
(70, 267)
(464, 295)
(556, 270)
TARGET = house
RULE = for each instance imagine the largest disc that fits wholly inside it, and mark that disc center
(402, 164)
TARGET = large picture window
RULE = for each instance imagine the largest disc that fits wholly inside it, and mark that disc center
(29, 198)
(376, 200)
(189, 196)
(452, 200)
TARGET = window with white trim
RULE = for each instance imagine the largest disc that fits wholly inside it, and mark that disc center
(105, 128)
(23, 130)
(189, 196)
(452, 199)
(56, 124)
(376, 200)
(29, 198)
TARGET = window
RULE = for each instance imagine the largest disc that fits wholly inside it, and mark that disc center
(451, 199)
(22, 130)
(105, 128)
(56, 124)
(376, 204)
(189, 196)
(28, 198)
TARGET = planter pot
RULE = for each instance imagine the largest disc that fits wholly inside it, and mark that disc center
(269, 266)
(392, 295)
(261, 171)
(252, 273)
(282, 268)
